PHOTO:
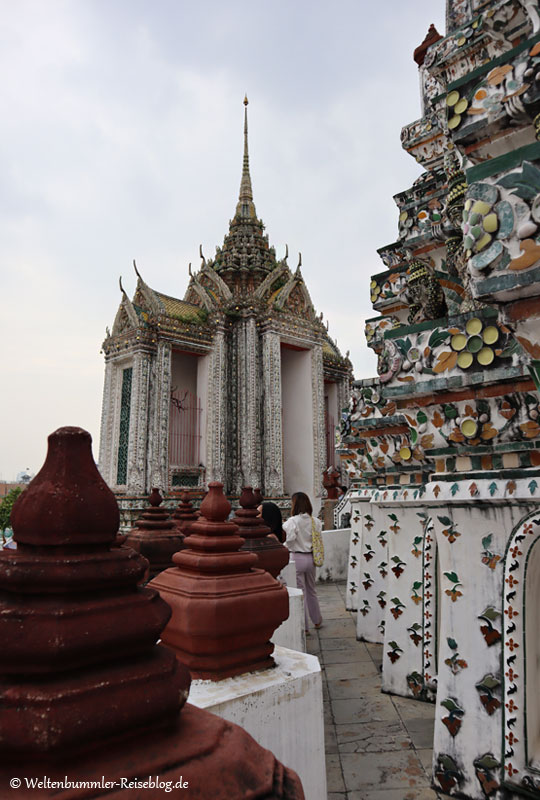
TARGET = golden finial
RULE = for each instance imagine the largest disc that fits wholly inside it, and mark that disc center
(246, 101)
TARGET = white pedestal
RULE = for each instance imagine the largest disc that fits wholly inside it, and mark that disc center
(288, 574)
(291, 633)
(282, 708)
(336, 555)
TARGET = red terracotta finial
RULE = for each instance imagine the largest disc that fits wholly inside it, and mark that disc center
(155, 535)
(215, 507)
(69, 494)
(431, 37)
(273, 556)
(185, 515)
(82, 610)
(155, 498)
(224, 611)
(258, 496)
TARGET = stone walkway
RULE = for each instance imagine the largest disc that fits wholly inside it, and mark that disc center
(378, 746)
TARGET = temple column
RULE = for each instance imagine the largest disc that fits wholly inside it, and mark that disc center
(107, 432)
(343, 397)
(216, 429)
(138, 423)
(158, 434)
(319, 431)
(273, 452)
(247, 407)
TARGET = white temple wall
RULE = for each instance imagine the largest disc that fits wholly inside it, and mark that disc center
(373, 569)
(532, 641)
(520, 678)
(297, 420)
(359, 504)
(410, 635)
(472, 536)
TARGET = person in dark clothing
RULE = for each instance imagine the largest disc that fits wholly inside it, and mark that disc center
(272, 516)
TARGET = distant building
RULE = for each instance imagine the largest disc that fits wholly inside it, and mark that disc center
(239, 381)
(7, 486)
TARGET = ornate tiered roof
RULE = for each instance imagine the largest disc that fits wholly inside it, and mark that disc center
(245, 247)
(243, 279)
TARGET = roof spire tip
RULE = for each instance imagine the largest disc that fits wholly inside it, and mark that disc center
(246, 101)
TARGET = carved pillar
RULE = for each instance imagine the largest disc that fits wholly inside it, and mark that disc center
(247, 420)
(319, 432)
(138, 423)
(158, 435)
(107, 433)
(215, 438)
(271, 381)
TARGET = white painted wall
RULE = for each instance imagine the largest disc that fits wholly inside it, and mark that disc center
(184, 372)
(532, 634)
(297, 415)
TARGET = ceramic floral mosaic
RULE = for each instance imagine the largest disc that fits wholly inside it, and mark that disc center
(446, 438)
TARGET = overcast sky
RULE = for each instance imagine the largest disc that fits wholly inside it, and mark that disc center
(121, 138)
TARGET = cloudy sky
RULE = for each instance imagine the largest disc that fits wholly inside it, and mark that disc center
(121, 138)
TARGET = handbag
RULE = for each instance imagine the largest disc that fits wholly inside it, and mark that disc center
(317, 545)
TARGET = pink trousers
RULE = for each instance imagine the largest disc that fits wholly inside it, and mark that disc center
(305, 577)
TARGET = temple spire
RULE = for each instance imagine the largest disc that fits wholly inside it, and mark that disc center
(245, 206)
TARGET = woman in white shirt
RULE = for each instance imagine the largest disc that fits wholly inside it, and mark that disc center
(298, 539)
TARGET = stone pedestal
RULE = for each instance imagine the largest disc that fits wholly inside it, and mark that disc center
(291, 633)
(85, 693)
(281, 708)
(288, 573)
(359, 506)
(155, 536)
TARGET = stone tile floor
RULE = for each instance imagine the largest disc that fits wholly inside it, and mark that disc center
(378, 746)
